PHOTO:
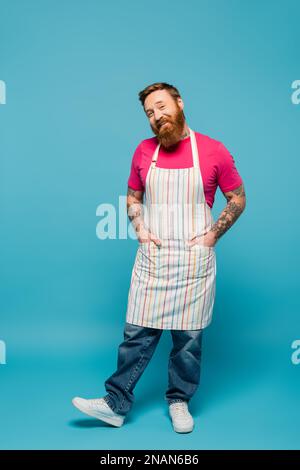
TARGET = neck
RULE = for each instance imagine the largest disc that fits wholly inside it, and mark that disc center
(185, 132)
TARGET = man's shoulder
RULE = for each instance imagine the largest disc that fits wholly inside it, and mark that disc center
(206, 140)
(146, 145)
(149, 141)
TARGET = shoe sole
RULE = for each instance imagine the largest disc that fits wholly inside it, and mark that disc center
(183, 430)
(98, 415)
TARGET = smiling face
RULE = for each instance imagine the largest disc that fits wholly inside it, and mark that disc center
(165, 116)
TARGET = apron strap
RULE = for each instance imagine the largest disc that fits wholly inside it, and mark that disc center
(194, 149)
(155, 155)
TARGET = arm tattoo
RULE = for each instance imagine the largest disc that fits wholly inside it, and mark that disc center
(238, 192)
(132, 192)
(134, 208)
(235, 206)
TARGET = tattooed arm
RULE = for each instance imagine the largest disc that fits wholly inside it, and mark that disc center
(236, 203)
(135, 214)
(135, 208)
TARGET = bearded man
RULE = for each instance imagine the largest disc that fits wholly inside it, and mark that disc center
(173, 281)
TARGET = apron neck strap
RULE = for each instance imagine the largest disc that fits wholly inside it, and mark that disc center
(194, 151)
(155, 155)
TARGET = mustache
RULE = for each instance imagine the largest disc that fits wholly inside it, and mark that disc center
(162, 122)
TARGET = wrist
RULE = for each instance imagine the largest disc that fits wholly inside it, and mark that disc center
(211, 237)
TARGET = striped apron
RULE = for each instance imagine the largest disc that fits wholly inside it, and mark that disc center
(173, 286)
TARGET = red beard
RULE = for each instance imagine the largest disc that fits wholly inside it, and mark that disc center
(171, 133)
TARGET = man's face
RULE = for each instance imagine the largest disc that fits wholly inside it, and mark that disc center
(166, 116)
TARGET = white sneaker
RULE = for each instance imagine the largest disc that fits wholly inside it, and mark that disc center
(182, 420)
(98, 408)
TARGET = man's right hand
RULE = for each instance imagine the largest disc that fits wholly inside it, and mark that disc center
(145, 236)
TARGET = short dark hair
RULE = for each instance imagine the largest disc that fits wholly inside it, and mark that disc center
(158, 86)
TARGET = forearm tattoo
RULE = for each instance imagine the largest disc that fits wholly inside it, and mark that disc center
(135, 208)
(235, 206)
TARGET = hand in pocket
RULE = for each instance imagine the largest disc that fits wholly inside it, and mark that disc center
(204, 240)
(145, 236)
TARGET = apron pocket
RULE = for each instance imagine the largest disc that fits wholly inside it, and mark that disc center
(202, 247)
(146, 259)
(201, 262)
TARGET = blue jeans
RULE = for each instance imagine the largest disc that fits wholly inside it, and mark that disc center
(135, 352)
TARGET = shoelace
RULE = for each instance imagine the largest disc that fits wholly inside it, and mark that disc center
(180, 408)
(96, 401)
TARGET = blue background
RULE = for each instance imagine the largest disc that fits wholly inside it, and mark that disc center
(73, 70)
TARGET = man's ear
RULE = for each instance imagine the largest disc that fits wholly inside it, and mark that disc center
(180, 103)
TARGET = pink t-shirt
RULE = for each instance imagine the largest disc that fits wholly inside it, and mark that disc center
(216, 163)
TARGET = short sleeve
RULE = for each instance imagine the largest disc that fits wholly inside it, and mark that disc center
(134, 180)
(228, 176)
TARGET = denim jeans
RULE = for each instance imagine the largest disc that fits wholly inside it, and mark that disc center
(134, 354)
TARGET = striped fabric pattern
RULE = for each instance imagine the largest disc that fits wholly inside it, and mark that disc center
(173, 286)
